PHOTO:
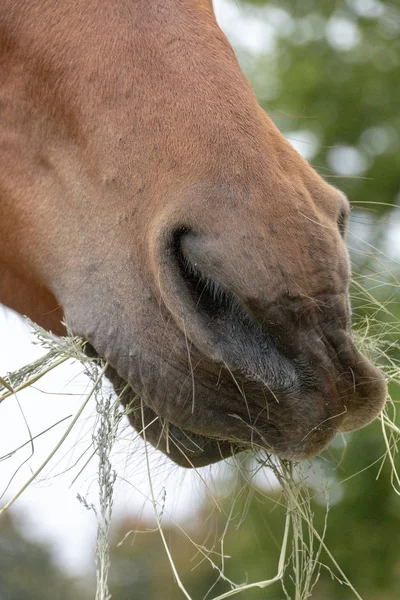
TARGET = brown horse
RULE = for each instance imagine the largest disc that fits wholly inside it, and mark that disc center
(147, 199)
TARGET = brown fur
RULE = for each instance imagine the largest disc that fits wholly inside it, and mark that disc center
(136, 165)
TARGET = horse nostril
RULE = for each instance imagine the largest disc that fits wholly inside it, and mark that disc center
(215, 320)
(209, 297)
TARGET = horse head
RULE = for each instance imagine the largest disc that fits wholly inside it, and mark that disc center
(149, 201)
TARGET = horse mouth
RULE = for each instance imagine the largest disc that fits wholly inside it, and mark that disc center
(329, 388)
(191, 449)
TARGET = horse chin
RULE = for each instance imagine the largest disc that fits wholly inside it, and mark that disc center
(184, 447)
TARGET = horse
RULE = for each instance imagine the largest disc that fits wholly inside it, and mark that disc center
(150, 203)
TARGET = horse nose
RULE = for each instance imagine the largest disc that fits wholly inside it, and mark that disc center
(200, 285)
(226, 287)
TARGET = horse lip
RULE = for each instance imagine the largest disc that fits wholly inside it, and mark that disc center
(193, 450)
(189, 448)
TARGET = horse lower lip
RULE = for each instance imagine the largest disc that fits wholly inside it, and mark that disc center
(184, 447)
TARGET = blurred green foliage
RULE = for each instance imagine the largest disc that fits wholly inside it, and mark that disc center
(335, 69)
(27, 570)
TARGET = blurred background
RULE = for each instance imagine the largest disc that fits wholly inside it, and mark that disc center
(328, 73)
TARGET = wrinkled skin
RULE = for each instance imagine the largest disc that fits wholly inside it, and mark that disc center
(147, 199)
